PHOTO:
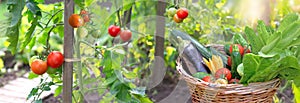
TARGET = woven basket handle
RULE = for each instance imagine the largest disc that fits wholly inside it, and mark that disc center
(180, 68)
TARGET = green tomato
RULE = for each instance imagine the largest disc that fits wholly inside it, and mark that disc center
(240, 69)
(171, 12)
(32, 59)
(51, 70)
(82, 32)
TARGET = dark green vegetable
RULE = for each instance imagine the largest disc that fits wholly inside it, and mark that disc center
(226, 48)
(176, 35)
(236, 60)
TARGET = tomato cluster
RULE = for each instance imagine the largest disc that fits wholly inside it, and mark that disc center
(77, 20)
(178, 15)
(222, 76)
(114, 31)
(54, 60)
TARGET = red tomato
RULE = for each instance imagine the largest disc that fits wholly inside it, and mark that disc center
(176, 19)
(241, 49)
(206, 79)
(234, 81)
(114, 30)
(39, 67)
(182, 13)
(229, 61)
(247, 50)
(75, 20)
(55, 59)
(125, 35)
(223, 73)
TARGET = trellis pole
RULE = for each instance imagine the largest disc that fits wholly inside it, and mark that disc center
(68, 52)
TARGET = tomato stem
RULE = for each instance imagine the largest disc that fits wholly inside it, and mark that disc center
(79, 70)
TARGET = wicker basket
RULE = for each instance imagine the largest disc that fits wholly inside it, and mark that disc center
(204, 92)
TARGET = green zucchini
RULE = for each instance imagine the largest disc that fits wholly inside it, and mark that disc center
(236, 60)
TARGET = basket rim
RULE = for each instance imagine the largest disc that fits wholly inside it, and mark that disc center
(196, 81)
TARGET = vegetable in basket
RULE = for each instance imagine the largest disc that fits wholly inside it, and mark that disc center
(275, 52)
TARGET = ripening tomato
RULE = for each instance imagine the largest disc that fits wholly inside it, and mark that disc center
(114, 30)
(182, 13)
(83, 12)
(39, 66)
(234, 81)
(241, 49)
(125, 35)
(176, 19)
(223, 73)
(85, 15)
(229, 61)
(206, 79)
(75, 21)
(55, 59)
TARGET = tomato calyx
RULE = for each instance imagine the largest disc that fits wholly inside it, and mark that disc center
(240, 49)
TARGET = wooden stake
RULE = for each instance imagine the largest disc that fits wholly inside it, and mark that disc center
(68, 52)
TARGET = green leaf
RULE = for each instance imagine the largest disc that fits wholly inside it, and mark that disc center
(88, 2)
(13, 37)
(58, 91)
(80, 3)
(32, 6)
(29, 33)
(138, 91)
(46, 88)
(262, 31)
(32, 93)
(287, 20)
(107, 63)
(32, 75)
(110, 80)
(15, 8)
(124, 94)
(130, 75)
(255, 41)
(267, 48)
(291, 33)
